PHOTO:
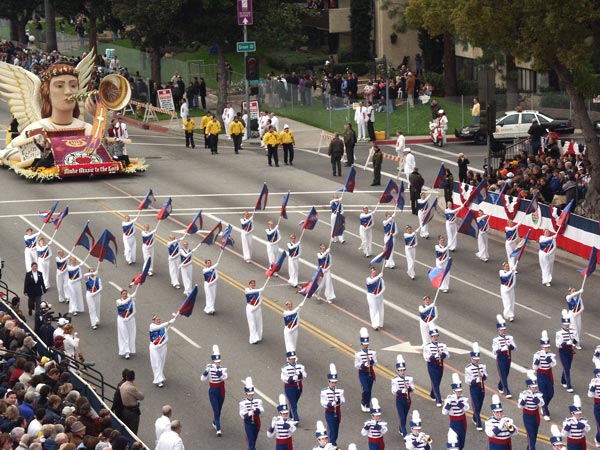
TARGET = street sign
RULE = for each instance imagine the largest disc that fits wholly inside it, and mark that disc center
(249, 46)
(244, 12)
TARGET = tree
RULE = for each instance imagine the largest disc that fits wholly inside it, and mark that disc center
(361, 24)
(50, 16)
(555, 36)
(18, 12)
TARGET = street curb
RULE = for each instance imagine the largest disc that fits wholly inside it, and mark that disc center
(415, 140)
(145, 125)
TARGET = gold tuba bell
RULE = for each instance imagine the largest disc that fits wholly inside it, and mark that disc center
(114, 92)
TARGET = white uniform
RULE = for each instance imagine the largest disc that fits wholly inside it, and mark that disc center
(273, 239)
(483, 227)
(291, 320)
(30, 250)
(428, 315)
(400, 145)
(324, 261)
(254, 314)
(410, 250)
(245, 119)
(129, 244)
(575, 303)
(512, 239)
(247, 229)
(441, 259)
(508, 280)
(423, 205)
(451, 227)
(294, 252)
(186, 267)
(360, 117)
(174, 260)
(75, 293)
(44, 252)
(546, 256)
(126, 328)
(375, 290)
(170, 440)
(228, 115)
(390, 230)
(93, 289)
(211, 276)
(409, 163)
(366, 232)
(148, 248)
(336, 208)
(62, 278)
(158, 349)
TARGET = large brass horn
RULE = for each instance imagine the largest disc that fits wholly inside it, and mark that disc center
(114, 92)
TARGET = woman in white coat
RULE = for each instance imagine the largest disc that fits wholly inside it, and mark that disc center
(93, 288)
(126, 327)
(44, 252)
(74, 283)
(173, 247)
(148, 246)
(247, 229)
(254, 312)
(158, 348)
(211, 276)
(324, 261)
(546, 255)
(129, 244)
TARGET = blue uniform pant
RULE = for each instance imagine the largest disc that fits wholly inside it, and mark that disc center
(460, 428)
(366, 382)
(546, 386)
(597, 416)
(293, 394)
(252, 428)
(216, 396)
(503, 364)
(333, 425)
(566, 359)
(403, 407)
(436, 371)
(477, 396)
(532, 425)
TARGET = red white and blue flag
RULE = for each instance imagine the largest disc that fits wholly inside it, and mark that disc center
(561, 222)
(102, 249)
(311, 220)
(187, 307)
(350, 180)
(533, 205)
(46, 216)
(438, 274)
(308, 289)
(276, 265)
(261, 203)
(339, 226)
(147, 201)
(390, 191)
(140, 279)
(467, 226)
(520, 248)
(386, 253)
(211, 237)
(478, 194)
(400, 197)
(430, 212)
(86, 238)
(227, 239)
(591, 267)
(195, 224)
(60, 218)
(283, 212)
(165, 211)
(440, 179)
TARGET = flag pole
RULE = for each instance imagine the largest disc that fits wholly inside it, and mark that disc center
(436, 296)
(220, 254)
(302, 234)
(266, 282)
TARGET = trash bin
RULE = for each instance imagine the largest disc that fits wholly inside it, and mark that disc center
(379, 135)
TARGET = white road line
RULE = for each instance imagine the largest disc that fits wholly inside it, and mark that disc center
(593, 335)
(184, 337)
(265, 397)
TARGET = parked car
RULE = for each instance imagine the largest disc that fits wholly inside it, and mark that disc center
(515, 124)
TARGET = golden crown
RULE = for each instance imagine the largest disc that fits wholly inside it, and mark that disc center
(60, 71)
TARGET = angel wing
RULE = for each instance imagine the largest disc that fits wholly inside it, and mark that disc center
(85, 68)
(21, 89)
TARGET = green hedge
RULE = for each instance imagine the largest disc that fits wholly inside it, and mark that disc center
(554, 100)
(288, 61)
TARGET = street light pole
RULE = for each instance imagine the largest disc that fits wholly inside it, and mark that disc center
(246, 87)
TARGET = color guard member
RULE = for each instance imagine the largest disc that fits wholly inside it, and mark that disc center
(390, 230)
(129, 245)
(366, 231)
(254, 312)
(410, 250)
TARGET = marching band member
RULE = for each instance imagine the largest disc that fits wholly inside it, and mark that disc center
(475, 377)
(281, 427)
(216, 375)
(250, 410)
(336, 208)
(158, 347)
(324, 261)
(365, 360)
(596, 357)
(375, 290)
(455, 406)
(148, 246)
(30, 247)
(428, 314)
(294, 252)
(322, 438)
(499, 428)
(452, 440)
(247, 229)
(483, 227)
(402, 386)
(423, 206)
(434, 354)
(61, 276)
(74, 284)
(556, 439)
(546, 255)
(93, 288)
(566, 340)
(292, 374)
(129, 245)
(272, 242)
(291, 320)
(44, 252)
(366, 231)
(211, 276)
(375, 428)
(410, 250)
(543, 362)
(254, 312)
(575, 427)
(503, 345)
(594, 392)
(508, 279)
(390, 230)
(173, 248)
(531, 402)
(186, 255)
(126, 328)
(417, 440)
(575, 304)
(451, 215)
(441, 259)
(511, 232)
(332, 398)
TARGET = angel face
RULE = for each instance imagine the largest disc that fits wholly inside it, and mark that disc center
(62, 88)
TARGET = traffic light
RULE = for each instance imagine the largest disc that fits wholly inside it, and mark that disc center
(252, 70)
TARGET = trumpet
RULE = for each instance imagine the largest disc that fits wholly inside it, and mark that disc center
(114, 92)
(425, 438)
(508, 424)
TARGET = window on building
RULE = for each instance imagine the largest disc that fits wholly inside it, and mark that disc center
(526, 80)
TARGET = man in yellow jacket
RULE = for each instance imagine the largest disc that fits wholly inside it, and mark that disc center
(286, 137)
(271, 140)
(212, 133)
(203, 124)
(236, 131)
(188, 126)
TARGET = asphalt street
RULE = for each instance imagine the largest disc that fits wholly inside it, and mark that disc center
(224, 186)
